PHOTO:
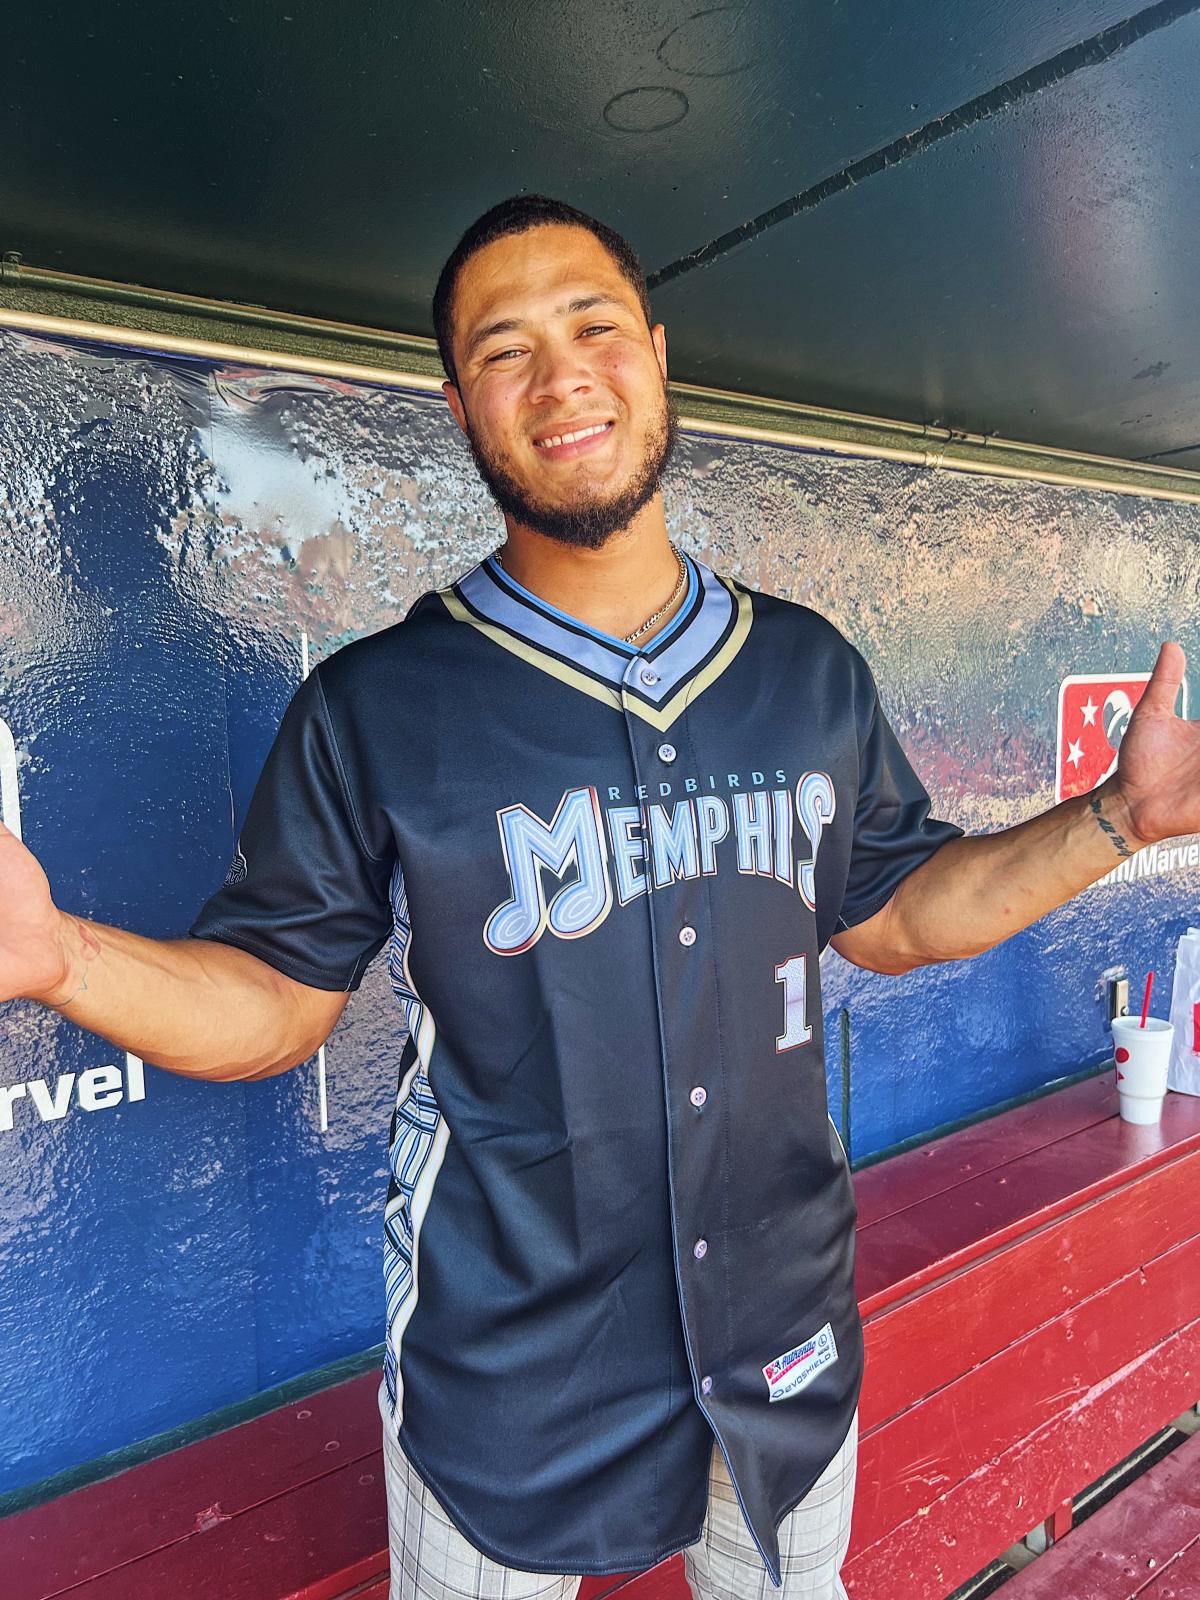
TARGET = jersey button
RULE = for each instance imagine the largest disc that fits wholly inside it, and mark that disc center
(687, 935)
(705, 1385)
(648, 675)
(698, 1096)
(667, 752)
(700, 1249)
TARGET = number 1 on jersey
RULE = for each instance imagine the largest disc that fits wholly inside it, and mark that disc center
(793, 975)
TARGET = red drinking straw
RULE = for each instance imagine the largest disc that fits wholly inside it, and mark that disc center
(1146, 1001)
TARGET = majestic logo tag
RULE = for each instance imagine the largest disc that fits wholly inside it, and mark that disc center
(790, 1373)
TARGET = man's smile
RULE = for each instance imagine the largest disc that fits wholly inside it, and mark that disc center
(573, 441)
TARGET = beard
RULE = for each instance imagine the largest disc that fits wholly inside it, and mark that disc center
(591, 520)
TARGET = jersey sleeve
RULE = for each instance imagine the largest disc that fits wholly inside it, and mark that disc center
(893, 830)
(303, 894)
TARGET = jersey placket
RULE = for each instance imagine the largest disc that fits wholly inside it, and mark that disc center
(692, 1055)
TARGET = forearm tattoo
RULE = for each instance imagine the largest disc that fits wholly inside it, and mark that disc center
(1121, 847)
(82, 989)
(90, 950)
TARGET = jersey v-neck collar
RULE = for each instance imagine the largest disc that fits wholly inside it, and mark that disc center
(653, 681)
(526, 597)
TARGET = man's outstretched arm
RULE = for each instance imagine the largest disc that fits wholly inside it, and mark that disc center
(979, 890)
(193, 1006)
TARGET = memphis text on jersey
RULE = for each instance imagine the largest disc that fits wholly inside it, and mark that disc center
(636, 846)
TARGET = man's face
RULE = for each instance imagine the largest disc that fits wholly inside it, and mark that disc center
(550, 339)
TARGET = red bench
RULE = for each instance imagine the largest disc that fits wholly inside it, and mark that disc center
(290, 1503)
(1144, 1545)
(1030, 1289)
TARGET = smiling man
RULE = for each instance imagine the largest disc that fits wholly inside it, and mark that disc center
(605, 807)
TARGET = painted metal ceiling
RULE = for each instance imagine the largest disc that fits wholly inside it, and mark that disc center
(983, 216)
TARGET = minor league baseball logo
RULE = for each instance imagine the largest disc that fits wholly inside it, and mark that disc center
(1093, 715)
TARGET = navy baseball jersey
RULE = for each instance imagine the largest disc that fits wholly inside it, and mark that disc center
(619, 1220)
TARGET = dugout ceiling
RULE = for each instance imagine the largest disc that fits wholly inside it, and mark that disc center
(983, 216)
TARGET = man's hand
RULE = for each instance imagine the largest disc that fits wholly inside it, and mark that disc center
(1157, 782)
(34, 960)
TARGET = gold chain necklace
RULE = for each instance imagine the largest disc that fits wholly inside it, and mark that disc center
(662, 610)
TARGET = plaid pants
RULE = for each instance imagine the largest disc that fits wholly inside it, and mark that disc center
(431, 1560)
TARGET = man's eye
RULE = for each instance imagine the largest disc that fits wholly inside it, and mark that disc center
(598, 327)
(500, 355)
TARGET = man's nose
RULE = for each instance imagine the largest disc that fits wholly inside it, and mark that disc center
(558, 372)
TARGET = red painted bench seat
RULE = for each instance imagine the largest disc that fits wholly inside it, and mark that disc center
(1143, 1543)
(288, 1503)
(1032, 1314)
(1030, 1288)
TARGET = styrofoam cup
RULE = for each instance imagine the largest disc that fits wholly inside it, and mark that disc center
(1142, 1057)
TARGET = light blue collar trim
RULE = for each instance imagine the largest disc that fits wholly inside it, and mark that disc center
(689, 639)
(507, 581)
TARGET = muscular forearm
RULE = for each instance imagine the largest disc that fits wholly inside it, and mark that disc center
(193, 1006)
(979, 890)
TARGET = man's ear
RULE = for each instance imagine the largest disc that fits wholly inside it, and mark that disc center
(658, 337)
(454, 401)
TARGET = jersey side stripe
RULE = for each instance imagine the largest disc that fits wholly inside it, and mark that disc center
(415, 1158)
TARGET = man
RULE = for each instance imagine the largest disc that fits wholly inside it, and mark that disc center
(605, 807)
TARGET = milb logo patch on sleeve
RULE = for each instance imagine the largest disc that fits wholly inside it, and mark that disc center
(790, 1373)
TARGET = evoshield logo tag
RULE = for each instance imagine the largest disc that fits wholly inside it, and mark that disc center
(790, 1373)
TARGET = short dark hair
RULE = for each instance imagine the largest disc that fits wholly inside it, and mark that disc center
(518, 214)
